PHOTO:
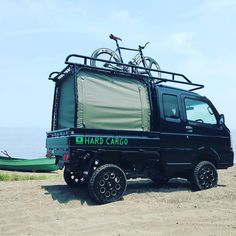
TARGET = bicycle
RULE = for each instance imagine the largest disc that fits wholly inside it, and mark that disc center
(139, 60)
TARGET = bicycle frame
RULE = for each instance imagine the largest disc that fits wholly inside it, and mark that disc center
(138, 60)
(139, 50)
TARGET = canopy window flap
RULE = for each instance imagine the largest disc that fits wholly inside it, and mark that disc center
(66, 108)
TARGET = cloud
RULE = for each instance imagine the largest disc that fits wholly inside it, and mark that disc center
(194, 38)
(218, 6)
(124, 16)
(34, 17)
(181, 43)
(211, 9)
(181, 38)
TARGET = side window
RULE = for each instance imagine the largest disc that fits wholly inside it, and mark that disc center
(171, 107)
(199, 111)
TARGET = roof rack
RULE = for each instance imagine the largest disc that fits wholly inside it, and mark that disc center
(175, 77)
(56, 75)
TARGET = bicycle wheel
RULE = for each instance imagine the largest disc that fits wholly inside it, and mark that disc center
(105, 54)
(150, 64)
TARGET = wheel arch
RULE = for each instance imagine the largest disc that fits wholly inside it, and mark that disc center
(207, 154)
(115, 157)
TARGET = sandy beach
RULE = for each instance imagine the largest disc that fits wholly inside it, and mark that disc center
(49, 207)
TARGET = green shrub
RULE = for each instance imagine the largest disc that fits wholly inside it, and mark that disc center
(17, 177)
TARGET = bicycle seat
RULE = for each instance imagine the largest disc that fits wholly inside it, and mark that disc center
(114, 37)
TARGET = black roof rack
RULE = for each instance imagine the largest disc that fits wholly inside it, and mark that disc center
(174, 77)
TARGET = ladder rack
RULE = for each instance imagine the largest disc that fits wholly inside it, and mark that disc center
(176, 78)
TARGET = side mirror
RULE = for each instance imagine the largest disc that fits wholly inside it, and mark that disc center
(221, 119)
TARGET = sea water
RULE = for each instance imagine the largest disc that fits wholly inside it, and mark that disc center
(23, 142)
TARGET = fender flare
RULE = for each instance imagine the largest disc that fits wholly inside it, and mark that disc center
(206, 153)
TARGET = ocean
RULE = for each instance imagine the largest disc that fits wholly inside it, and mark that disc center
(23, 142)
(31, 142)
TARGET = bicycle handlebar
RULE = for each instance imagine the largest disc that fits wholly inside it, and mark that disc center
(142, 47)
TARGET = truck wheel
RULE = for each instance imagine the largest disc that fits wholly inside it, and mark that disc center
(107, 184)
(204, 176)
(73, 179)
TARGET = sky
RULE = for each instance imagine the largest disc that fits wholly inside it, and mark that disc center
(196, 38)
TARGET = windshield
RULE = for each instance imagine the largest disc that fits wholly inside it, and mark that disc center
(199, 111)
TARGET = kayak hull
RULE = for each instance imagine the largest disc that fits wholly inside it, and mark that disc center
(34, 165)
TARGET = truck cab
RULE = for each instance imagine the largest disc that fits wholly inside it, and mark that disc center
(191, 129)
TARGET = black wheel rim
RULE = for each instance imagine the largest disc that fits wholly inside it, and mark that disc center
(76, 178)
(110, 185)
(207, 177)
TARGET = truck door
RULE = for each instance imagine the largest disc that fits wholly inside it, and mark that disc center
(204, 135)
(174, 150)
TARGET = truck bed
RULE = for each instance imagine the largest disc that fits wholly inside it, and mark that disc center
(60, 141)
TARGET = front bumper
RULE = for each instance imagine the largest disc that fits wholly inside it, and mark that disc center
(227, 160)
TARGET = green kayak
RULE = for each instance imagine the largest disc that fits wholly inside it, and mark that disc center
(19, 164)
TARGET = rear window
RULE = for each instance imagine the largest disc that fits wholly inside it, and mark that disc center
(171, 107)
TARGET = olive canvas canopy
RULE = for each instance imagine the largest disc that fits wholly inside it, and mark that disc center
(103, 101)
(66, 103)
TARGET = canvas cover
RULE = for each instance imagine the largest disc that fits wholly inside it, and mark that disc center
(111, 102)
(66, 109)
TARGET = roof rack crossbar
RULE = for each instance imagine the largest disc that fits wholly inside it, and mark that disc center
(86, 58)
(175, 77)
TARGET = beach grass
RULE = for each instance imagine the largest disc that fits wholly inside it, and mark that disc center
(19, 177)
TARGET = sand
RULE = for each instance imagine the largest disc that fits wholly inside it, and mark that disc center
(49, 207)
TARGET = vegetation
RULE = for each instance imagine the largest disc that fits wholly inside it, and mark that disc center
(18, 177)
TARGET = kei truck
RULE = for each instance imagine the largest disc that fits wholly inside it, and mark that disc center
(110, 125)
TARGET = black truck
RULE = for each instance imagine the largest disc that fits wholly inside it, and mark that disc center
(109, 126)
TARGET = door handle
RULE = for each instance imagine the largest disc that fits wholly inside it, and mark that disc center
(189, 128)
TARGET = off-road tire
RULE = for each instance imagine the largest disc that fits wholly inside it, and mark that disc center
(204, 176)
(73, 179)
(107, 184)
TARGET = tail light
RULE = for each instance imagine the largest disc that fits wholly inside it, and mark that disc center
(66, 156)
